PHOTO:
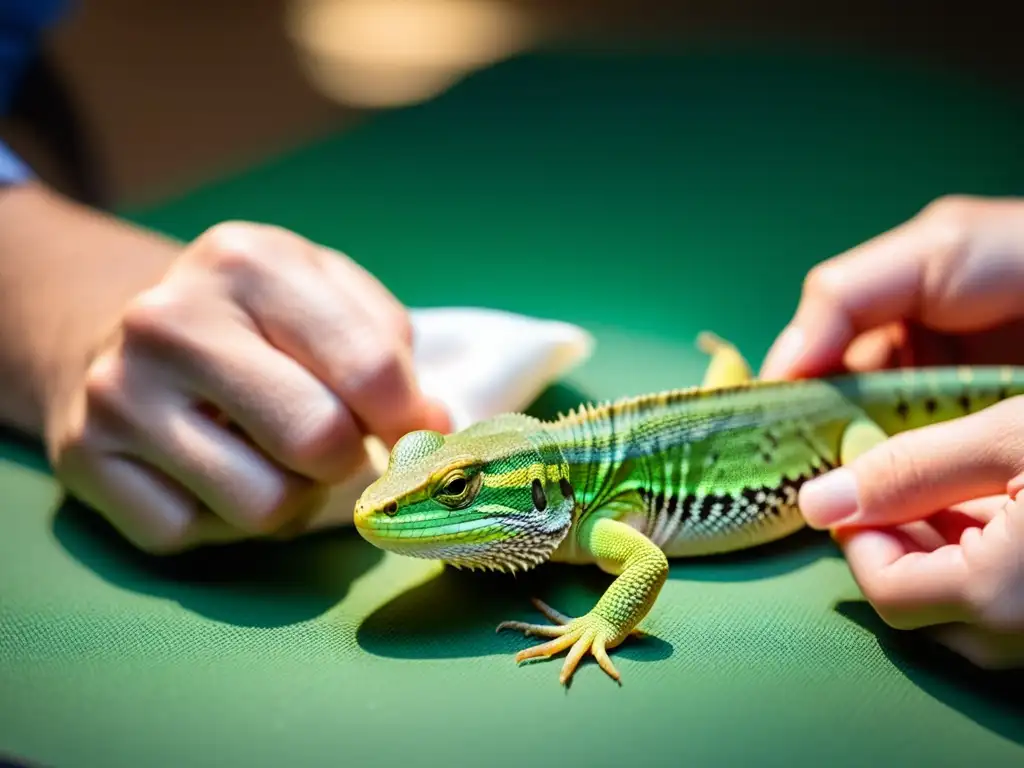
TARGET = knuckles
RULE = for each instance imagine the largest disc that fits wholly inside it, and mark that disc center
(946, 224)
(166, 324)
(379, 365)
(951, 208)
(824, 280)
(949, 220)
(109, 403)
(329, 449)
(163, 318)
(243, 251)
(105, 383)
(377, 380)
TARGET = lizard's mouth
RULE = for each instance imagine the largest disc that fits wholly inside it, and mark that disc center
(364, 516)
(507, 543)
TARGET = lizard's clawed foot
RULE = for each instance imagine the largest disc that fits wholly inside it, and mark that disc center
(587, 633)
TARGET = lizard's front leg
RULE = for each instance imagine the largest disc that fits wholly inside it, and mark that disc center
(642, 569)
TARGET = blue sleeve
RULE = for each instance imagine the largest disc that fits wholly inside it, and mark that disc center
(22, 23)
(12, 169)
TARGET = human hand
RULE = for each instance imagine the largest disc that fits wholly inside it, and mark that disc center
(234, 392)
(944, 288)
(930, 520)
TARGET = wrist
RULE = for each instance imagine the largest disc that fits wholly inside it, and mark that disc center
(68, 273)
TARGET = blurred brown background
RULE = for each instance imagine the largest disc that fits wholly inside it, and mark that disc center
(178, 91)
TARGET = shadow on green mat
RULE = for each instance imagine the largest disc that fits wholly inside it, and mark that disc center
(455, 614)
(794, 553)
(992, 699)
(250, 584)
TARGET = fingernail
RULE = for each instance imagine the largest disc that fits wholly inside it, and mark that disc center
(829, 500)
(782, 356)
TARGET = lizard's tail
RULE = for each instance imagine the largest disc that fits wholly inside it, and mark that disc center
(899, 400)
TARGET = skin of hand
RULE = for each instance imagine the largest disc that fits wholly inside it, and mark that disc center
(220, 390)
(931, 521)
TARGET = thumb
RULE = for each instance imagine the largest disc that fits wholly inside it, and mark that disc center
(955, 267)
(916, 473)
(878, 283)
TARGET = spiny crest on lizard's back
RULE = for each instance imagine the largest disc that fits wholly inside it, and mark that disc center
(602, 410)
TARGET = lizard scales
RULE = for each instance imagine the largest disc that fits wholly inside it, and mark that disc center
(627, 484)
(717, 470)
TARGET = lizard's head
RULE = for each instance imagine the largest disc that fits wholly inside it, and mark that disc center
(494, 496)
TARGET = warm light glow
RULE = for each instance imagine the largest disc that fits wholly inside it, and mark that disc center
(381, 53)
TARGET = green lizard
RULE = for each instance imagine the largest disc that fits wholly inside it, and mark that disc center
(628, 485)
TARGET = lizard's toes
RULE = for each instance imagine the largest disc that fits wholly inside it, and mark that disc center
(541, 630)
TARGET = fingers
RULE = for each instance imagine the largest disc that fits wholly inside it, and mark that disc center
(871, 285)
(278, 404)
(331, 317)
(921, 518)
(228, 477)
(913, 474)
(371, 293)
(399, 406)
(958, 266)
(141, 417)
(942, 570)
(951, 524)
(988, 649)
(909, 589)
(876, 349)
(151, 511)
(237, 389)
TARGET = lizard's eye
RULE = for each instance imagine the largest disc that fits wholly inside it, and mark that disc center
(455, 487)
(458, 490)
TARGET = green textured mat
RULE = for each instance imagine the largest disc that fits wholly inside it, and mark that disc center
(645, 198)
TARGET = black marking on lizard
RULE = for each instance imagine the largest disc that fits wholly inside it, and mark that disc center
(754, 503)
(540, 501)
(903, 409)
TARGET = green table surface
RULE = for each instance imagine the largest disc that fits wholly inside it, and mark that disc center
(645, 198)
